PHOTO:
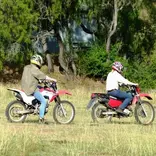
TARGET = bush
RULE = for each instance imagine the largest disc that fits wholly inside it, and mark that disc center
(92, 63)
(2, 56)
(143, 73)
(96, 62)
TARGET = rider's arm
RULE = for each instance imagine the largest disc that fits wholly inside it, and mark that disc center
(50, 79)
(39, 75)
(121, 79)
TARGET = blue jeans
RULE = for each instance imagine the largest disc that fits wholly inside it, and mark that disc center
(127, 97)
(40, 98)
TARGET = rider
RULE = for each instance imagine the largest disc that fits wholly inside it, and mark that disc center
(113, 80)
(30, 79)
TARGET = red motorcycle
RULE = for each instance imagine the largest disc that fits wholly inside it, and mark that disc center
(104, 107)
(63, 111)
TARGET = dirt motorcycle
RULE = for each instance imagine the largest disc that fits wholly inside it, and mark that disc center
(105, 106)
(63, 111)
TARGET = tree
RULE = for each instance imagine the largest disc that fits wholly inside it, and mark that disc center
(118, 6)
(17, 21)
(53, 15)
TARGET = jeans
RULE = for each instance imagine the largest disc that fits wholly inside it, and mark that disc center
(40, 98)
(127, 97)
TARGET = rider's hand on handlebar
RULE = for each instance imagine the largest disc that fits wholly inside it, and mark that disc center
(54, 80)
(50, 79)
(136, 84)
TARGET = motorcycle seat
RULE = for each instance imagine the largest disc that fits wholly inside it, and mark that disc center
(101, 95)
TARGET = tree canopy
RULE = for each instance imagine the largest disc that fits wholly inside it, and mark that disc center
(125, 30)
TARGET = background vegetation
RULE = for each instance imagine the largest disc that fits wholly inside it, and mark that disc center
(125, 31)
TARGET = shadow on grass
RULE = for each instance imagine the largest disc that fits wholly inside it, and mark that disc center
(113, 122)
(49, 122)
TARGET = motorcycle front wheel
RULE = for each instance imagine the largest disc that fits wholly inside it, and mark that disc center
(64, 112)
(12, 110)
(98, 115)
(144, 113)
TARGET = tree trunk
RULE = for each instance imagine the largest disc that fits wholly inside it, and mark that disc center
(61, 58)
(50, 63)
(74, 68)
(113, 26)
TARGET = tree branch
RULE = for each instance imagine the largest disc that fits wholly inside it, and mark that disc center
(113, 26)
(118, 6)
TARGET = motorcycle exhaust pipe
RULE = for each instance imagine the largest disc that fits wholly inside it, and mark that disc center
(109, 113)
(24, 112)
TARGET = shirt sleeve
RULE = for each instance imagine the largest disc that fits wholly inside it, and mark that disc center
(121, 79)
(38, 74)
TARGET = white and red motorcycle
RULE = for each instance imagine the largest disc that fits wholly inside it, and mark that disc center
(63, 111)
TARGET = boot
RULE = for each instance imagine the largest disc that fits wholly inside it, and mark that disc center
(42, 121)
(119, 110)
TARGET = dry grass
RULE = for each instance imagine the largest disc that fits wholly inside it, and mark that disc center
(80, 138)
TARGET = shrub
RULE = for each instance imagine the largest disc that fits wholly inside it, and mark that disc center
(143, 73)
(96, 62)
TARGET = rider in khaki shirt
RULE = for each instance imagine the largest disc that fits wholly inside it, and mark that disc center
(30, 79)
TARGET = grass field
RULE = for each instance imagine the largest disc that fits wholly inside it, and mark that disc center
(122, 137)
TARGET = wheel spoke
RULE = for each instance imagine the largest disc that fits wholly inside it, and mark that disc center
(144, 113)
(12, 111)
(99, 113)
(64, 112)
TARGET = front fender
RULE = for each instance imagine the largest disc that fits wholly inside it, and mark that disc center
(91, 103)
(145, 95)
(62, 92)
(135, 99)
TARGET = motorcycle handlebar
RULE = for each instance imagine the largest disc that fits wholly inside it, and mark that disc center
(49, 83)
(128, 85)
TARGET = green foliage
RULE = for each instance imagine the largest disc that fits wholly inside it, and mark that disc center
(144, 73)
(138, 36)
(18, 59)
(2, 56)
(95, 62)
(132, 44)
(17, 19)
(91, 63)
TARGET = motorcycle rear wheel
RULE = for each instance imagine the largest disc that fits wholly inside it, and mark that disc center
(97, 115)
(64, 112)
(144, 113)
(11, 111)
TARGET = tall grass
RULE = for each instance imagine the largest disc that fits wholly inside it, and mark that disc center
(80, 138)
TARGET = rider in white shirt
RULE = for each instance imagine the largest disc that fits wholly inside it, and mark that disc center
(115, 78)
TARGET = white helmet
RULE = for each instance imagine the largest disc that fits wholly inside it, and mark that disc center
(117, 66)
(37, 60)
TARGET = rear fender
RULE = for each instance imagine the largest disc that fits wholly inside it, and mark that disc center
(135, 99)
(24, 97)
(15, 90)
(91, 103)
(17, 93)
(62, 92)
